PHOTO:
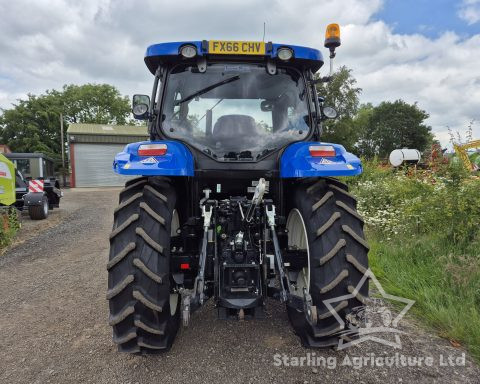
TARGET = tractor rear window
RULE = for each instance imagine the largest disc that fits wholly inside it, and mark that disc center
(235, 112)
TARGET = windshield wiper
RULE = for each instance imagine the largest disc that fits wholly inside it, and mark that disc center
(207, 89)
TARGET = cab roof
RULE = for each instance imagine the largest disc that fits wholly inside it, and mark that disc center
(164, 53)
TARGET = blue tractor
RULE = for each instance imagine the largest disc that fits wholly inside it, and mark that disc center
(236, 199)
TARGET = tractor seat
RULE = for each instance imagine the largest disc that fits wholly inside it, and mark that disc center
(229, 128)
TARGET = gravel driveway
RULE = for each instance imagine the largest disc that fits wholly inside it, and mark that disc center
(53, 323)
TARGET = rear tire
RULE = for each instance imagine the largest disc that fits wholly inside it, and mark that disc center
(39, 212)
(144, 312)
(337, 257)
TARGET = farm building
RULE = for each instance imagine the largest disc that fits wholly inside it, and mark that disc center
(92, 148)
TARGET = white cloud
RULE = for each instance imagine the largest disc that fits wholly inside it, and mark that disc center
(46, 44)
(440, 74)
(470, 11)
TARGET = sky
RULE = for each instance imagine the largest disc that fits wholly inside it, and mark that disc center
(423, 51)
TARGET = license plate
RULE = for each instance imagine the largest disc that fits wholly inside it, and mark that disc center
(221, 47)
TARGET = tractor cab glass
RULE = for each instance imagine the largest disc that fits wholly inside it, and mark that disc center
(235, 111)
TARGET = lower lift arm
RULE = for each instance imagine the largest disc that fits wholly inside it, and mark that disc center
(298, 302)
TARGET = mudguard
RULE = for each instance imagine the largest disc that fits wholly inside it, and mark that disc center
(296, 161)
(33, 198)
(177, 161)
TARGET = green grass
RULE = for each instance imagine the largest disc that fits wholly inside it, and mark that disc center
(443, 279)
(423, 227)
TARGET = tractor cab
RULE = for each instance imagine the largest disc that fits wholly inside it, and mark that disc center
(232, 100)
(236, 105)
(235, 111)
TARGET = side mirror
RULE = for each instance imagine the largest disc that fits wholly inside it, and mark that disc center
(140, 105)
(266, 106)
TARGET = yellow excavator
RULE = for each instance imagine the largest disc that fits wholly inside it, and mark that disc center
(461, 151)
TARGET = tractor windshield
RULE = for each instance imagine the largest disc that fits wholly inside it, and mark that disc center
(235, 111)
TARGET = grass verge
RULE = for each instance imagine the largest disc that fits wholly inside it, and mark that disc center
(9, 225)
(442, 278)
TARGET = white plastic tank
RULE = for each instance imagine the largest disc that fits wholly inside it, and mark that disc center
(404, 156)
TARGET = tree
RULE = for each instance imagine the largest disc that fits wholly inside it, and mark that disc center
(362, 120)
(33, 125)
(393, 125)
(342, 94)
(94, 104)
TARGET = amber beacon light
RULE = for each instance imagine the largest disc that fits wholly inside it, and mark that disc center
(332, 36)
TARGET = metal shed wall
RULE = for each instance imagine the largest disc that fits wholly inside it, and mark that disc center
(93, 165)
(93, 148)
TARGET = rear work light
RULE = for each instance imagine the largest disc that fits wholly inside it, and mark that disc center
(152, 150)
(188, 51)
(285, 54)
(322, 151)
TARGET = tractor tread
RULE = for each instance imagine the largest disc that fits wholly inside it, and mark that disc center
(342, 191)
(124, 225)
(339, 307)
(335, 328)
(147, 328)
(140, 265)
(338, 183)
(116, 319)
(336, 248)
(156, 193)
(358, 295)
(135, 180)
(127, 202)
(119, 256)
(124, 339)
(312, 188)
(322, 201)
(152, 243)
(120, 286)
(352, 260)
(152, 213)
(133, 186)
(149, 346)
(342, 275)
(347, 229)
(147, 302)
(349, 210)
(335, 216)
(128, 348)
